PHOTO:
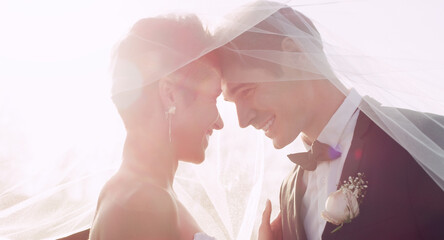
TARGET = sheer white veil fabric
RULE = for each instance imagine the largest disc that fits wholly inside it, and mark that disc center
(226, 193)
(389, 91)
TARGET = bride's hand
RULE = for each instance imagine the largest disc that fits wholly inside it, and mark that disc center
(269, 231)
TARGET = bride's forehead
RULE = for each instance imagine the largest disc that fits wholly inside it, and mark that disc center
(205, 80)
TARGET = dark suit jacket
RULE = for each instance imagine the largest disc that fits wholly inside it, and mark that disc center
(402, 201)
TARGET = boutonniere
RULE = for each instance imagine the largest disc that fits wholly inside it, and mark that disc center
(343, 205)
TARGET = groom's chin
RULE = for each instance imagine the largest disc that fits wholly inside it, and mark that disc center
(279, 144)
(282, 141)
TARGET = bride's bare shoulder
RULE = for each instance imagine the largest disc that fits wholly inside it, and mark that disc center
(129, 209)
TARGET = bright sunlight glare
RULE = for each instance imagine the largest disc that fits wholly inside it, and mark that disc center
(55, 61)
(61, 137)
(55, 83)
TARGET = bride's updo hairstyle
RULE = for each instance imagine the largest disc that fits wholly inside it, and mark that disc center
(153, 49)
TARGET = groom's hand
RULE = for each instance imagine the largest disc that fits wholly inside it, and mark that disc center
(269, 231)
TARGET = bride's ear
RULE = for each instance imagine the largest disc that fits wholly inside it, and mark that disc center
(289, 45)
(167, 92)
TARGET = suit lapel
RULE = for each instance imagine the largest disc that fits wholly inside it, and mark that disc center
(355, 153)
(300, 191)
(353, 159)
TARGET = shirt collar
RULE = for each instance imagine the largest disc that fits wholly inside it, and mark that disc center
(332, 132)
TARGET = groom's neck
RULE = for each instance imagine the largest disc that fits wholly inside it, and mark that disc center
(329, 99)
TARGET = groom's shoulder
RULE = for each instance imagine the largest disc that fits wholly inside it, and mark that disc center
(429, 124)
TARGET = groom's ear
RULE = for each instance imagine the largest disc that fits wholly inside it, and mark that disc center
(289, 45)
(167, 92)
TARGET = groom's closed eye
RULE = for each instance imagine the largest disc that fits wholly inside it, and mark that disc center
(239, 90)
(247, 92)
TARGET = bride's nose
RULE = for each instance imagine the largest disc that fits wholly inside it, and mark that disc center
(219, 123)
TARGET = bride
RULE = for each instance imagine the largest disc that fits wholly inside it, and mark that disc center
(167, 120)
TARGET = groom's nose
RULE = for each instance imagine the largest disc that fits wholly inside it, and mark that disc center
(244, 115)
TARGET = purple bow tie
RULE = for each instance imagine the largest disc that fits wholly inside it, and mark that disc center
(318, 152)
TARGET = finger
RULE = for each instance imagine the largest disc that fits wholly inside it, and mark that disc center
(276, 227)
(267, 213)
(265, 228)
(277, 222)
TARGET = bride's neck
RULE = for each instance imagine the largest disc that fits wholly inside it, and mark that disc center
(149, 156)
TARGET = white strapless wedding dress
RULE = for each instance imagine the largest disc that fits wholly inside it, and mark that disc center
(203, 236)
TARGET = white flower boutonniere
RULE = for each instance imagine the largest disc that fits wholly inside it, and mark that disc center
(343, 205)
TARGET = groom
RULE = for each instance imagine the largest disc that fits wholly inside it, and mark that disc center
(401, 202)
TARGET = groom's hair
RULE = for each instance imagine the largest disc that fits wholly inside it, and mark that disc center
(267, 36)
(151, 45)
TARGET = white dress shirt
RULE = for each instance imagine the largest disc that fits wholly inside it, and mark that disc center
(338, 133)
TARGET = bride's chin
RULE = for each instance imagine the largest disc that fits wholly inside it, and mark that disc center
(201, 158)
(196, 158)
(200, 161)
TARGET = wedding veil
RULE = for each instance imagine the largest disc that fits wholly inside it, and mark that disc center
(61, 137)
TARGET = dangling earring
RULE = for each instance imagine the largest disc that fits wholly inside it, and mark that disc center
(169, 115)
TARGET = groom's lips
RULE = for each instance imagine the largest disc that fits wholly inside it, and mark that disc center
(266, 125)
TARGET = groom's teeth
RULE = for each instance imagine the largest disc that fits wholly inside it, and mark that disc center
(268, 124)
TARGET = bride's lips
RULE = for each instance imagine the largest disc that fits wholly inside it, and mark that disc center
(207, 136)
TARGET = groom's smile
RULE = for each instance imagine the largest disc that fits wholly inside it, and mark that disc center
(265, 126)
(280, 108)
